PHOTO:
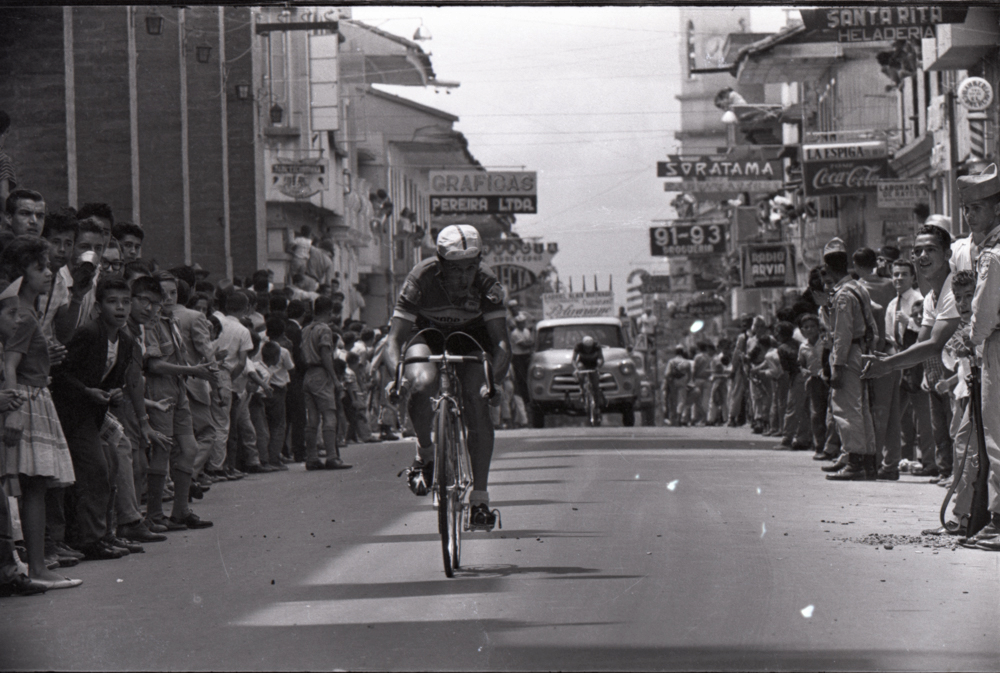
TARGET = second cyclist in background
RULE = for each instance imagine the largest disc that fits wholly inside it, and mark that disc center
(453, 292)
(588, 356)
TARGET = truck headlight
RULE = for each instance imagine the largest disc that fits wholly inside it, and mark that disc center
(627, 368)
(537, 373)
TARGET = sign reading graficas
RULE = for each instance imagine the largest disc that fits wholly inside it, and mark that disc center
(481, 192)
(578, 305)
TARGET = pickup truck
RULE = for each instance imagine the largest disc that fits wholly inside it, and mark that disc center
(553, 389)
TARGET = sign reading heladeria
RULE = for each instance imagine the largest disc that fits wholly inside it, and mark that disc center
(876, 23)
(482, 192)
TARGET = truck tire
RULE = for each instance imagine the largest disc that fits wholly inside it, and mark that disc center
(537, 417)
(648, 420)
(628, 416)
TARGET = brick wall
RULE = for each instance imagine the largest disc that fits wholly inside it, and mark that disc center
(100, 52)
(32, 92)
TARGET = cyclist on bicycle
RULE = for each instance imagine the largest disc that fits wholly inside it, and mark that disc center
(587, 355)
(453, 292)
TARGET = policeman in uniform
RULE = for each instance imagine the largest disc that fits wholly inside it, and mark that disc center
(980, 196)
(854, 331)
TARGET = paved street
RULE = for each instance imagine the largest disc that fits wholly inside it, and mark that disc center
(650, 548)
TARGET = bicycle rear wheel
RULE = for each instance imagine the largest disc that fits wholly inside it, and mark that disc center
(446, 470)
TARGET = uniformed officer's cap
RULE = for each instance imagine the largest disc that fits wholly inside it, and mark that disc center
(459, 242)
(834, 246)
(977, 187)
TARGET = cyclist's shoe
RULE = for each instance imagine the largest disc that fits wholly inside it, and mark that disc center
(419, 476)
(481, 517)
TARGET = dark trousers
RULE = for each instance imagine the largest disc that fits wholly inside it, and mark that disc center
(817, 401)
(941, 422)
(92, 495)
(8, 569)
(295, 414)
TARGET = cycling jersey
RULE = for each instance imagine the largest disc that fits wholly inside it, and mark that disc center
(588, 358)
(425, 302)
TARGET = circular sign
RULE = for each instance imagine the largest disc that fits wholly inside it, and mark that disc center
(975, 94)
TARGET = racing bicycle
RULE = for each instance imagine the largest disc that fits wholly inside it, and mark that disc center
(452, 480)
(589, 397)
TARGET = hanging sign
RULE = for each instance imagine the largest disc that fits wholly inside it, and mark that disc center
(768, 265)
(877, 23)
(518, 264)
(901, 193)
(655, 285)
(975, 94)
(831, 169)
(300, 179)
(726, 174)
(687, 239)
(481, 192)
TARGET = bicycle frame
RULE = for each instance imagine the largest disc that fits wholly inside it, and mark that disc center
(589, 396)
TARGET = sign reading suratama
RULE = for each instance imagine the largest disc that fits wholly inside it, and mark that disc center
(481, 192)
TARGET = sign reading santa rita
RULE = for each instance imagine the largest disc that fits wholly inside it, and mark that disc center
(874, 23)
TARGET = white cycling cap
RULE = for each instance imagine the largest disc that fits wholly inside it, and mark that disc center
(458, 242)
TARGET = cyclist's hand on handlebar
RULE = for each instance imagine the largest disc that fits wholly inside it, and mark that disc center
(495, 398)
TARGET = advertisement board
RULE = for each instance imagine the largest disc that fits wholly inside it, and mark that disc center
(768, 265)
(518, 264)
(299, 179)
(682, 240)
(578, 305)
(725, 174)
(876, 23)
(901, 193)
(482, 192)
(839, 168)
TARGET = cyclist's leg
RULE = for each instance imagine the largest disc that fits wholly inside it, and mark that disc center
(423, 384)
(595, 382)
(480, 429)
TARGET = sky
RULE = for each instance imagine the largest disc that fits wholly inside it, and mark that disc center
(584, 96)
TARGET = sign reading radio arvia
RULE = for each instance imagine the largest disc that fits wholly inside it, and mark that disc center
(472, 192)
(875, 23)
(830, 169)
(737, 173)
(682, 240)
(768, 265)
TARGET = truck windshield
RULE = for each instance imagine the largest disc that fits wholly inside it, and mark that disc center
(568, 336)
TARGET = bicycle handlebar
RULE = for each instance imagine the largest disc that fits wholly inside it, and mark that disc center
(446, 357)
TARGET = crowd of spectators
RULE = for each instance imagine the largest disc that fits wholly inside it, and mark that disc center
(776, 374)
(130, 388)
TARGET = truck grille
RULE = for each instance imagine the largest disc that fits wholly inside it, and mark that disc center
(566, 383)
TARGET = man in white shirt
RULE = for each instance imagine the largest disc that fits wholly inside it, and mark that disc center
(231, 349)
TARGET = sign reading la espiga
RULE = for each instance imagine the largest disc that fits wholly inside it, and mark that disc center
(481, 192)
(840, 168)
(681, 240)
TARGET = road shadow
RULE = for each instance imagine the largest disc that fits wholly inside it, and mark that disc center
(532, 467)
(528, 482)
(546, 572)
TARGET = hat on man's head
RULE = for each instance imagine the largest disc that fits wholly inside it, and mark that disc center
(835, 245)
(977, 187)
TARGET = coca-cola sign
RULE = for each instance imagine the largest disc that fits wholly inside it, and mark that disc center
(854, 176)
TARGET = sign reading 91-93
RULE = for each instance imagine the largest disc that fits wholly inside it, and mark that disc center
(482, 192)
(683, 240)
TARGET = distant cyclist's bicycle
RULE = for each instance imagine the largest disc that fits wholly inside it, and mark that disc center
(452, 466)
(589, 397)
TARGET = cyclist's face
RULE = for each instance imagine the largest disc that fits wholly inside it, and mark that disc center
(458, 276)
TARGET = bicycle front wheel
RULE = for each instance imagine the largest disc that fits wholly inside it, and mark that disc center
(446, 469)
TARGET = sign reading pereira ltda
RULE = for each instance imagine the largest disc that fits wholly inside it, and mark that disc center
(844, 167)
(471, 192)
